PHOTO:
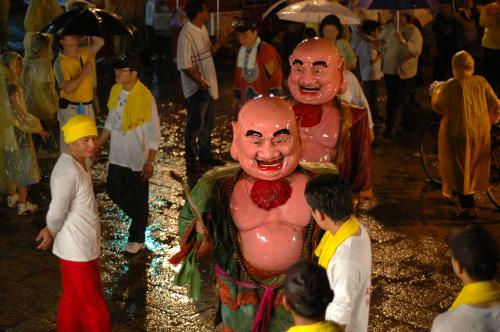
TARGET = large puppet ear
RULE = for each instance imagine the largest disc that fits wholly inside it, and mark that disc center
(234, 145)
(343, 82)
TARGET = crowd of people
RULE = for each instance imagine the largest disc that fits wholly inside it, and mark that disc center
(291, 251)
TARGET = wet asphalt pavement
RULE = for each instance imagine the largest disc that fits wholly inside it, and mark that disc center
(412, 278)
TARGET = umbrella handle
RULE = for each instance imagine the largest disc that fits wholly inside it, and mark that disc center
(397, 20)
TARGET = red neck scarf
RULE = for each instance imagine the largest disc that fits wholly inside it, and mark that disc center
(310, 115)
(270, 194)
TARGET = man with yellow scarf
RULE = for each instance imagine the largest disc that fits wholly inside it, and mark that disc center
(344, 250)
(474, 257)
(134, 129)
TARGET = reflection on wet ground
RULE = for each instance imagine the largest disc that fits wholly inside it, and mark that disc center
(412, 278)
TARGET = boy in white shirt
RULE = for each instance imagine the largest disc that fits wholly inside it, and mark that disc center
(344, 250)
(133, 127)
(73, 226)
(474, 257)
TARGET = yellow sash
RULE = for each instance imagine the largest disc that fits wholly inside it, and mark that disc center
(316, 327)
(137, 107)
(329, 242)
(478, 293)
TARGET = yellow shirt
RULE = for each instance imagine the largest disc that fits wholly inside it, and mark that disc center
(491, 24)
(66, 68)
(316, 327)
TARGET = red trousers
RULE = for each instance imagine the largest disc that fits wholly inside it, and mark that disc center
(82, 306)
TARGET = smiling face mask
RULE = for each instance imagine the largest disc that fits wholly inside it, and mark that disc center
(317, 72)
(266, 139)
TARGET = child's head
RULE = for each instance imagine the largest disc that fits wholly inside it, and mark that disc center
(12, 65)
(37, 46)
(127, 68)
(475, 251)
(331, 195)
(307, 290)
(370, 28)
(67, 41)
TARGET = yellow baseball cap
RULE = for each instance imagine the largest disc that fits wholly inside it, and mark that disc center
(77, 127)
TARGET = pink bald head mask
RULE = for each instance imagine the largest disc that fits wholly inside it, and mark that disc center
(266, 139)
(317, 72)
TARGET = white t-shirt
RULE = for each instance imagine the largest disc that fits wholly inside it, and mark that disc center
(466, 318)
(130, 148)
(355, 95)
(349, 273)
(72, 212)
(193, 50)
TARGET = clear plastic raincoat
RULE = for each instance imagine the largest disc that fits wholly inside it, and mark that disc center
(20, 158)
(468, 105)
(40, 13)
(7, 137)
(38, 78)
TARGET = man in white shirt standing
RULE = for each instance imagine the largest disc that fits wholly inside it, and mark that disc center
(344, 251)
(73, 222)
(199, 83)
(134, 129)
(474, 257)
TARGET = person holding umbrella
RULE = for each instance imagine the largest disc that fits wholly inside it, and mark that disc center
(73, 68)
(402, 45)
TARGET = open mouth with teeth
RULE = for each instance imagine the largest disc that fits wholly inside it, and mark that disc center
(270, 165)
(309, 90)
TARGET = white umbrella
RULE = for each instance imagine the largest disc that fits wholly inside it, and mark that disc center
(314, 11)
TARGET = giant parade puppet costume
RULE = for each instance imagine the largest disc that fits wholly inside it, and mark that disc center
(330, 130)
(260, 221)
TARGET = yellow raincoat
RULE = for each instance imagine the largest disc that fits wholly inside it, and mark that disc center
(20, 160)
(38, 78)
(7, 137)
(468, 105)
(40, 13)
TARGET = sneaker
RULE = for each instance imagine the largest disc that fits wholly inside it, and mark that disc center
(24, 209)
(134, 247)
(466, 215)
(12, 200)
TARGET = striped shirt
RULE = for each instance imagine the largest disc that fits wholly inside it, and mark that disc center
(193, 51)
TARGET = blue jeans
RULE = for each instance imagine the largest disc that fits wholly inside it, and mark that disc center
(199, 123)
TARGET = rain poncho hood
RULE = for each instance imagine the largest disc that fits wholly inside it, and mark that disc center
(40, 13)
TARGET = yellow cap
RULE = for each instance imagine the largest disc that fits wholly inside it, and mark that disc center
(77, 127)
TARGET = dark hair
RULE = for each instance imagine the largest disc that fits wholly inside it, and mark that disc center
(331, 20)
(476, 249)
(330, 194)
(307, 290)
(193, 7)
(368, 26)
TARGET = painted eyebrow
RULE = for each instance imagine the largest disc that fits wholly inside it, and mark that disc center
(253, 133)
(320, 63)
(297, 61)
(282, 132)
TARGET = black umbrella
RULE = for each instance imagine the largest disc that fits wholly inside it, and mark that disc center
(89, 22)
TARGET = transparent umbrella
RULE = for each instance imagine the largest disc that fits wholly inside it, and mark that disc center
(314, 11)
